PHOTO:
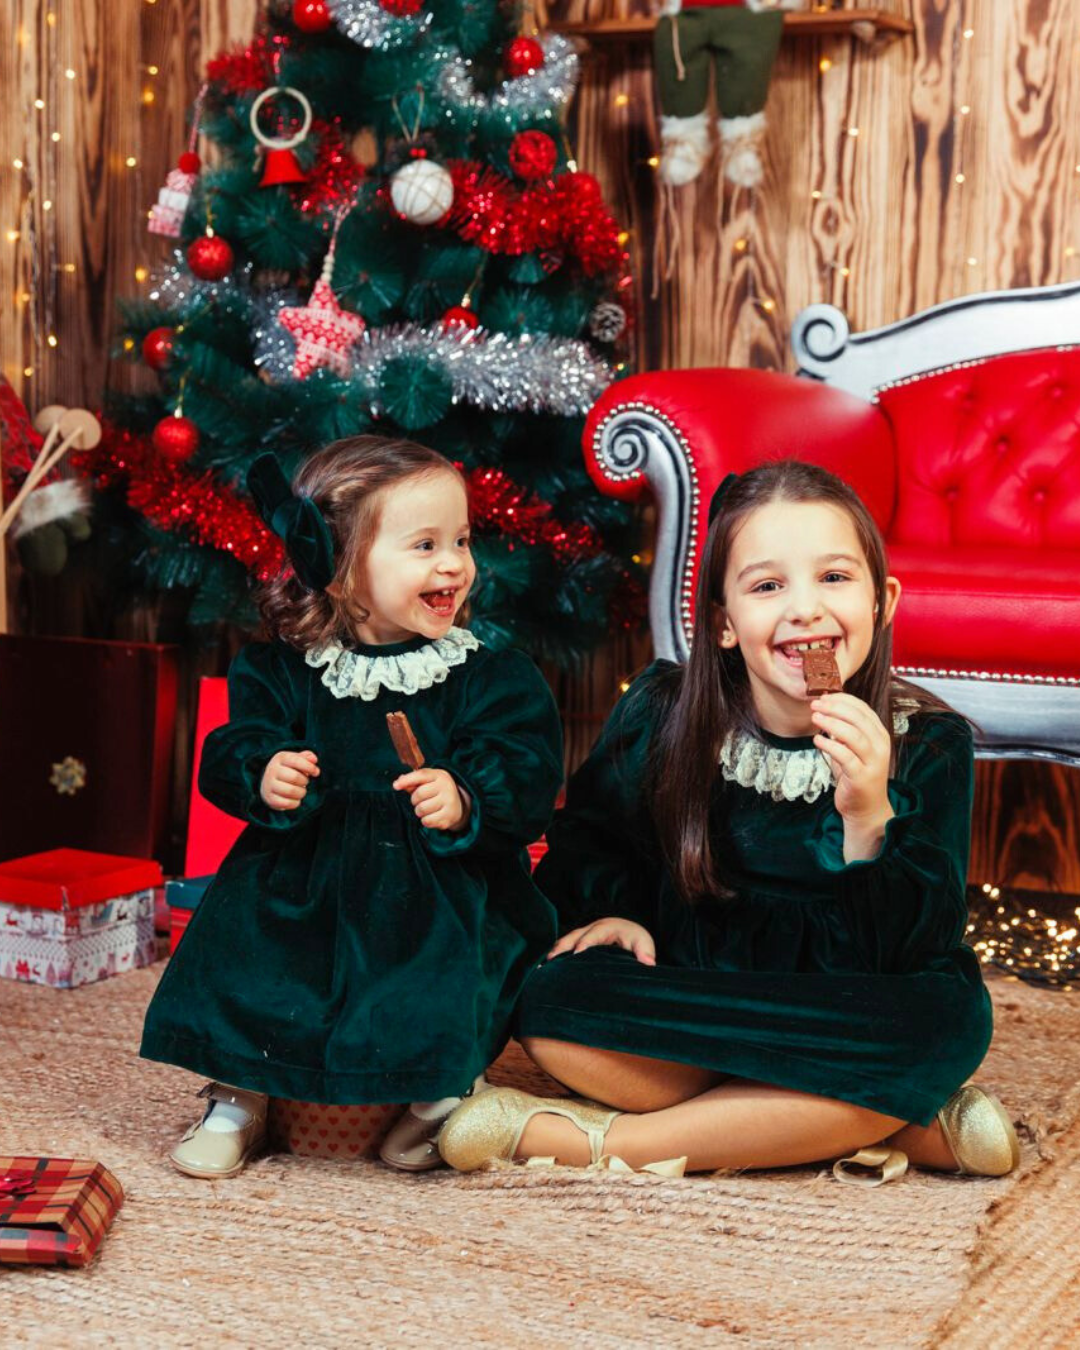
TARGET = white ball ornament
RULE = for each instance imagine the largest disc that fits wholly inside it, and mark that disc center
(422, 191)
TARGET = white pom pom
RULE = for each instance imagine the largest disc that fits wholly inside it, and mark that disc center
(422, 191)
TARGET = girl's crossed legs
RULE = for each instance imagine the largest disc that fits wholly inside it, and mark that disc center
(716, 1122)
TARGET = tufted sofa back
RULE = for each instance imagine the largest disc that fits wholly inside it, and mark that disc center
(989, 453)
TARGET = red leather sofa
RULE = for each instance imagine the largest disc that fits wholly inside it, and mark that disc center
(960, 429)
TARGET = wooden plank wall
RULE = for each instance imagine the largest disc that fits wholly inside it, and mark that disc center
(890, 230)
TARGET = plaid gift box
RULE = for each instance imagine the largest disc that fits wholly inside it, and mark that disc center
(315, 1130)
(70, 917)
(55, 1211)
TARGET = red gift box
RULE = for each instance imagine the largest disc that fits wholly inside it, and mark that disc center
(55, 1211)
(315, 1130)
(69, 917)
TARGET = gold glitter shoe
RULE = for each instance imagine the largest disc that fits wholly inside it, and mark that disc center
(490, 1125)
(979, 1132)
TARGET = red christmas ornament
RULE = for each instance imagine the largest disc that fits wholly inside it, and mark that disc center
(402, 9)
(189, 162)
(311, 16)
(459, 316)
(522, 57)
(210, 257)
(176, 438)
(157, 347)
(533, 155)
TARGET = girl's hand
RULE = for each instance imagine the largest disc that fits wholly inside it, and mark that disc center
(607, 933)
(856, 743)
(285, 779)
(436, 798)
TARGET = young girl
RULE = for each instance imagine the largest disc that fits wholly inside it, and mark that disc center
(764, 890)
(367, 936)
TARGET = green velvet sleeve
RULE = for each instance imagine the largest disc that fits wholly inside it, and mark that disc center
(266, 714)
(603, 858)
(909, 903)
(506, 752)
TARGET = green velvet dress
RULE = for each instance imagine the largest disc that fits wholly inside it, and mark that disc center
(343, 953)
(848, 981)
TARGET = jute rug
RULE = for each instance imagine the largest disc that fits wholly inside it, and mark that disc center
(313, 1253)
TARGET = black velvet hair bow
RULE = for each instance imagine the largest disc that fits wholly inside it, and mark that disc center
(296, 520)
(719, 495)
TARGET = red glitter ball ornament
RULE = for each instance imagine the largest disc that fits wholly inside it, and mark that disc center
(522, 57)
(189, 162)
(157, 347)
(210, 257)
(176, 438)
(533, 155)
(459, 316)
(402, 9)
(311, 16)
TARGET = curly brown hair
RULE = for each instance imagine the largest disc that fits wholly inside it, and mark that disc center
(347, 481)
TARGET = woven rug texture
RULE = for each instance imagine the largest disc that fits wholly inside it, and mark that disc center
(323, 1253)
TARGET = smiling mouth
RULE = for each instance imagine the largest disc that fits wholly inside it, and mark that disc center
(793, 651)
(442, 603)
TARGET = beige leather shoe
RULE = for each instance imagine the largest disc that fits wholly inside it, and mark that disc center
(979, 1132)
(490, 1126)
(410, 1145)
(207, 1153)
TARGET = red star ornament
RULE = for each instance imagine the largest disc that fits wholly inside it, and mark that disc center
(324, 332)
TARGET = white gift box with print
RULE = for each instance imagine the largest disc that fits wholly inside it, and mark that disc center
(70, 917)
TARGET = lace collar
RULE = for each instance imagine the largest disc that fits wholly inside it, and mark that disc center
(784, 773)
(403, 667)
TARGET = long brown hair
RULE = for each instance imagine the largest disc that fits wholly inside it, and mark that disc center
(710, 697)
(346, 480)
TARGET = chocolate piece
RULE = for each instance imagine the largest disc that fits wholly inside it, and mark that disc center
(405, 743)
(821, 673)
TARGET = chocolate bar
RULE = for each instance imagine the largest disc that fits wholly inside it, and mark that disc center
(405, 743)
(821, 673)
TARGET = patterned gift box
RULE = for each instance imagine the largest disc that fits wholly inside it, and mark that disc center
(315, 1130)
(69, 917)
(55, 1211)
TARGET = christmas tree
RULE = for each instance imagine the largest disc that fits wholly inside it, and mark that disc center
(389, 235)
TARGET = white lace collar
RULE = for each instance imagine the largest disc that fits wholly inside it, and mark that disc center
(350, 674)
(779, 773)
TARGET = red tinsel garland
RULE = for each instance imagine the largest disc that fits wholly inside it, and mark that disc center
(333, 178)
(496, 500)
(176, 498)
(567, 213)
(244, 70)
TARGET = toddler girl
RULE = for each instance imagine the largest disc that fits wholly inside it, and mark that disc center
(367, 935)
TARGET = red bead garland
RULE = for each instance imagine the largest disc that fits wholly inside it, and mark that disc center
(566, 214)
(173, 498)
(402, 9)
(522, 57)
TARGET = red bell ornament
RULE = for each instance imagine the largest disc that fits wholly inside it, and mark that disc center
(210, 257)
(176, 438)
(281, 165)
(523, 56)
(311, 16)
(157, 347)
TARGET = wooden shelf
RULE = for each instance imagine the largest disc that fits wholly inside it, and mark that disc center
(866, 24)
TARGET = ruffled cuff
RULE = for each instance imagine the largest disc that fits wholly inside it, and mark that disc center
(445, 843)
(255, 810)
(827, 841)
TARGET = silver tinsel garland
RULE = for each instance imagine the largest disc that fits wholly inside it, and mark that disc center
(174, 283)
(367, 24)
(494, 371)
(543, 92)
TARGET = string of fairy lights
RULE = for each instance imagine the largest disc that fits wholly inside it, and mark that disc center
(1007, 932)
(47, 125)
